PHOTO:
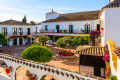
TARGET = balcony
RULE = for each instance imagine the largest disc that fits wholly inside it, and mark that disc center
(64, 31)
(18, 33)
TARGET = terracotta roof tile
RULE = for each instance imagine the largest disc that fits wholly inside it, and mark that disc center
(114, 4)
(78, 16)
(13, 22)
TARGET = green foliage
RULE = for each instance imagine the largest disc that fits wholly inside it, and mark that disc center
(33, 42)
(43, 77)
(24, 20)
(61, 43)
(3, 39)
(113, 77)
(32, 22)
(38, 54)
(43, 40)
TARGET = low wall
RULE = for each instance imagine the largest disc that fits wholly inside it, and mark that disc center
(4, 77)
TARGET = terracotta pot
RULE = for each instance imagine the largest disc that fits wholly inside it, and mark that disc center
(67, 57)
(7, 71)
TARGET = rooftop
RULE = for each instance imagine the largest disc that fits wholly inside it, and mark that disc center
(78, 16)
(13, 22)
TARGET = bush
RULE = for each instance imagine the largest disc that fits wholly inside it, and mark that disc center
(38, 54)
(43, 40)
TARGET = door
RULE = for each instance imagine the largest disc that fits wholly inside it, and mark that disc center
(87, 28)
(57, 28)
(15, 41)
(29, 40)
(97, 71)
(98, 27)
(70, 28)
(28, 31)
(20, 41)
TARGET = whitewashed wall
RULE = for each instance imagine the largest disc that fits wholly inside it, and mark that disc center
(38, 28)
(103, 25)
(65, 25)
(52, 16)
(112, 25)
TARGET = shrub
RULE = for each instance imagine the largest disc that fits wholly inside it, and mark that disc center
(38, 54)
(61, 43)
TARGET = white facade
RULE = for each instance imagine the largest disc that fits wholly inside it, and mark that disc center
(77, 25)
(111, 24)
(51, 16)
(9, 33)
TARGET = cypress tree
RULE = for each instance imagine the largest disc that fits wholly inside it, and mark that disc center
(24, 20)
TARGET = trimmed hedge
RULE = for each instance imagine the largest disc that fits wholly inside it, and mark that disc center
(38, 54)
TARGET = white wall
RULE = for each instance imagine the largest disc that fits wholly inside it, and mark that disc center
(52, 16)
(118, 68)
(38, 28)
(65, 25)
(103, 25)
(112, 25)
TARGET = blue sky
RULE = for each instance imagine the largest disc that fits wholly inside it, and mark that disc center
(35, 9)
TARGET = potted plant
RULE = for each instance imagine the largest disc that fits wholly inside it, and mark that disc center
(32, 76)
(8, 69)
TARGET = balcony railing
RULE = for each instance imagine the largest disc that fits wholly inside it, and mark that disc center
(18, 33)
(62, 31)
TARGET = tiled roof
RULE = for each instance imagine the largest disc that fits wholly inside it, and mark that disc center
(13, 22)
(114, 4)
(51, 12)
(78, 16)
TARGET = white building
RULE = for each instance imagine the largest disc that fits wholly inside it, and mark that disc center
(110, 22)
(17, 33)
(70, 24)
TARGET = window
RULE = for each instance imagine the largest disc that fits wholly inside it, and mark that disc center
(46, 27)
(4, 31)
(20, 31)
(98, 27)
(14, 31)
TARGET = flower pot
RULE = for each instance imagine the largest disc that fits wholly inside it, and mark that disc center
(67, 57)
(8, 71)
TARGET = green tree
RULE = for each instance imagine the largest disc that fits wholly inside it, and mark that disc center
(32, 22)
(43, 40)
(38, 54)
(3, 39)
(24, 20)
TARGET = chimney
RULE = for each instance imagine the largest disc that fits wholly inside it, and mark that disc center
(111, 1)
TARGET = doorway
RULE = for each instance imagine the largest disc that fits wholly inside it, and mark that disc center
(70, 28)
(98, 27)
(57, 28)
(87, 28)
(28, 31)
(15, 41)
(20, 41)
